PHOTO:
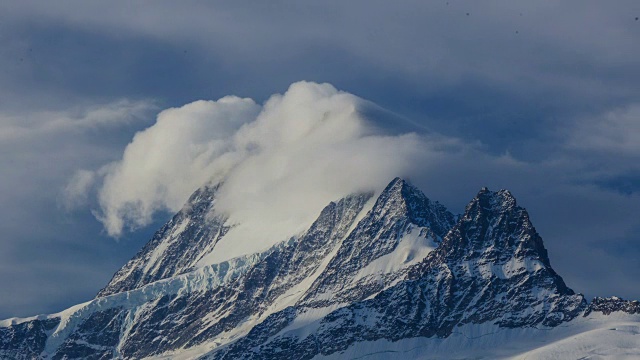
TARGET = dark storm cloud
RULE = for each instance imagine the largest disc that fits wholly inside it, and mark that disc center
(546, 92)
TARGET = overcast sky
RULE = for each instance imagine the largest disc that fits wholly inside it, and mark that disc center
(542, 98)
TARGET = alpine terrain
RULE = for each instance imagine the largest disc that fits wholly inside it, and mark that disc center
(376, 276)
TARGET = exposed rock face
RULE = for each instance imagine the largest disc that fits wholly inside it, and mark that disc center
(495, 258)
(176, 247)
(25, 340)
(613, 304)
(399, 211)
(491, 267)
(406, 268)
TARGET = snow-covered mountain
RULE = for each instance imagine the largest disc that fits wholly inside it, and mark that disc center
(372, 277)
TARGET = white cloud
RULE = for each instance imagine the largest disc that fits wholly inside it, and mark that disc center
(63, 123)
(76, 192)
(39, 150)
(617, 132)
(163, 164)
(310, 146)
(603, 149)
(281, 162)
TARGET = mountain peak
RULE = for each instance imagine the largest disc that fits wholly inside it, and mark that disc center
(399, 186)
(501, 200)
(401, 228)
(402, 187)
(495, 231)
(396, 181)
(494, 223)
(401, 196)
(397, 192)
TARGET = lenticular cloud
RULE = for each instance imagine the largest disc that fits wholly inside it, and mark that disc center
(281, 162)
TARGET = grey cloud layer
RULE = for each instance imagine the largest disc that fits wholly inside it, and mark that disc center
(538, 97)
(528, 48)
(41, 244)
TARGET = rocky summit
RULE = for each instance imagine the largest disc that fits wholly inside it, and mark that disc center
(374, 277)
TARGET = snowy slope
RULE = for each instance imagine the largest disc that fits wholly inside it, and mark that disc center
(593, 337)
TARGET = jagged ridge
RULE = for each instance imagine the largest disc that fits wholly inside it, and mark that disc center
(399, 210)
(491, 267)
(405, 269)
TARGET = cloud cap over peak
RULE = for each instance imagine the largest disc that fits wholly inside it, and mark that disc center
(281, 162)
